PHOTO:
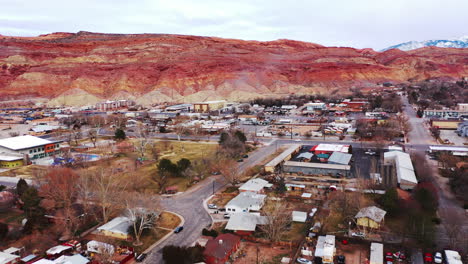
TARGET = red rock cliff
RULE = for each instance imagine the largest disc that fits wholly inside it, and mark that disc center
(153, 68)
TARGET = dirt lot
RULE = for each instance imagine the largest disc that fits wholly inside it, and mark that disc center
(266, 253)
(354, 253)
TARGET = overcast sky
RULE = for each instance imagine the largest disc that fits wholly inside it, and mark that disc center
(356, 23)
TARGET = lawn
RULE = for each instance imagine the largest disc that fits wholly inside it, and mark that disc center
(176, 150)
(168, 220)
(25, 171)
(297, 232)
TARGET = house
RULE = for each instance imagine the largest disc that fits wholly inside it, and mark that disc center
(218, 250)
(298, 216)
(245, 223)
(75, 259)
(117, 227)
(32, 146)
(7, 258)
(99, 247)
(403, 167)
(245, 202)
(254, 185)
(325, 248)
(371, 217)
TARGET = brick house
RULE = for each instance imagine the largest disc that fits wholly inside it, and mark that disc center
(218, 250)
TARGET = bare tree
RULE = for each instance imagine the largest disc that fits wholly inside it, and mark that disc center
(277, 218)
(453, 223)
(60, 188)
(93, 135)
(76, 135)
(107, 188)
(142, 140)
(228, 168)
(143, 211)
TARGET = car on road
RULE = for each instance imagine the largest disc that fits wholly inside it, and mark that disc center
(227, 216)
(358, 234)
(212, 206)
(240, 160)
(303, 261)
(370, 152)
(341, 259)
(245, 156)
(428, 257)
(178, 229)
(141, 257)
(388, 257)
(438, 257)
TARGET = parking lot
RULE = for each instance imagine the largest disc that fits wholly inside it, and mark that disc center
(452, 137)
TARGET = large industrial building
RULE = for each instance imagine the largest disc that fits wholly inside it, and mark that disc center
(33, 147)
(397, 163)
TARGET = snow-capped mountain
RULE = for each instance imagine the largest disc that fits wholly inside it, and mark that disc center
(442, 43)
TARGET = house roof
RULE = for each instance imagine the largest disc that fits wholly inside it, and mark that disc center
(9, 157)
(376, 254)
(246, 200)
(23, 142)
(75, 259)
(331, 148)
(299, 216)
(7, 257)
(253, 185)
(317, 165)
(305, 155)
(404, 167)
(117, 225)
(244, 221)
(221, 246)
(340, 158)
(57, 249)
(372, 212)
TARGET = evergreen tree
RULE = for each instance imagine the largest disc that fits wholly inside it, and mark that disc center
(21, 187)
(120, 134)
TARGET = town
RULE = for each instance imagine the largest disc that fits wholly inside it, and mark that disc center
(379, 176)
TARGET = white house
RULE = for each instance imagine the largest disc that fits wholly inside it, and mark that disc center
(245, 202)
(254, 185)
(298, 216)
(117, 227)
(7, 258)
(245, 222)
(34, 147)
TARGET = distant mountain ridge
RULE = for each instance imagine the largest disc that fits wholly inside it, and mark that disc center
(441, 43)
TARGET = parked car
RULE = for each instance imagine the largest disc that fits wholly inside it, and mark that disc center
(141, 257)
(370, 152)
(304, 261)
(358, 234)
(245, 156)
(212, 206)
(389, 257)
(240, 160)
(399, 255)
(178, 229)
(341, 259)
(438, 257)
(227, 216)
(428, 257)
(222, 209)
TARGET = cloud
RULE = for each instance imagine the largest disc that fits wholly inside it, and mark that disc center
(357, 23)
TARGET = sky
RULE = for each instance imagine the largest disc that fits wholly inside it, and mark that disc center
(373, 24)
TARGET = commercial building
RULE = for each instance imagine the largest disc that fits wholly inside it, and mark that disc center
(11, 160)
(205, 107)
(113, 105)
(444, 113)
(33, 147)
(285, 155)
(312, 168)
(399, 163)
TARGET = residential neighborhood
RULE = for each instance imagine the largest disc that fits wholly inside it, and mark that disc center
(370, 178)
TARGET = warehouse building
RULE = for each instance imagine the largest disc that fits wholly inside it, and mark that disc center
(401, 166)
(311, 168)
(33, 147)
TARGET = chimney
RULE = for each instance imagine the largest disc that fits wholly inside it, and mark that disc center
(220, 241)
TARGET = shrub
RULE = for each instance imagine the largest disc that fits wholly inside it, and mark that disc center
(208, 232)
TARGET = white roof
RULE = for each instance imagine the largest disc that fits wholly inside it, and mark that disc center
(283, 155)
(247, 200)
(11, 250)
(244, 221)
(340, 158)
(404, 167)
(75, 259)
(317, 165)
(298, 216)
(306, 195)
(23, 142)
(6, 157)
(98, 247)
(44, 128)
(117, 225)
(319, 246)
(57, 249)
(332, 147)
(453, 257)
(329, 246)
(376, 253)
(7, 257)
(254, 185)
(447, 148)
(44, 261)
(372, 212)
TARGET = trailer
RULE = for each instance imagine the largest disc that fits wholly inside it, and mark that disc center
(376, 253)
